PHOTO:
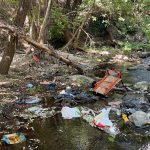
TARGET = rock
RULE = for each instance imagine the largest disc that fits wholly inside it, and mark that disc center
(134, 98)
(144, 54)
(135, 102)
(40, 69)
(138, 37)
(86, 97)
(148, 115)
(120, 58)
(29, 77)
(82, 80)
(133, 68)
(5, 84)
(143, 86)
(139, 118)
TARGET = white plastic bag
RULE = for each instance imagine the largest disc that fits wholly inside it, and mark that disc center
(103, 122)
(102, 119)
(69, 113)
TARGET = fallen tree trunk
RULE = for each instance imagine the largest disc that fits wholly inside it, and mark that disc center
(41, 47)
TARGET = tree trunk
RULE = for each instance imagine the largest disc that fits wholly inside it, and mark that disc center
(111, 36)
(76, 3)
(8, 55)
(44, 24)
(24, 6)
(34, 30)
(68, 5)
(77, 36)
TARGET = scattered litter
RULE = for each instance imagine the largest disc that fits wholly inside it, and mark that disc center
(39, 111)
(65, 95)
(51, 86)
(69, 113)
(110, 79)
(103, 122)
(29, 85)
(29, 100)
(115, 104)
(14, 138)
(125, 118)
(35, 58)
(88, 115)
(75, 95)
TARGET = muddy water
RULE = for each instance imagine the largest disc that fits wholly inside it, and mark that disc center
(58, 134)
(141, 74)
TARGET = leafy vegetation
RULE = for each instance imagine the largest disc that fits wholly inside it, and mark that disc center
(60, 22)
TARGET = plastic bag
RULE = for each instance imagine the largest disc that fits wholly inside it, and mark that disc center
(14, 138)
(103, 122)
(69, 113)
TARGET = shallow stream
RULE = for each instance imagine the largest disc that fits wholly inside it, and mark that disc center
(55, 133)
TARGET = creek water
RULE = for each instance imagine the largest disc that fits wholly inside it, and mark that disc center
(56, 133)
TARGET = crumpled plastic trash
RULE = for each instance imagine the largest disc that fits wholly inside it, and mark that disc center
(51, 86)
(14, 138)
(65, 95)
(88, 115)
(103, 122)
(29, 100)
(69, 113)
(29, 85)
(102, 119)
(39, 111)
(125, 118)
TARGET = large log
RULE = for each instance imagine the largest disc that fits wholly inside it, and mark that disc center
(41, 47)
